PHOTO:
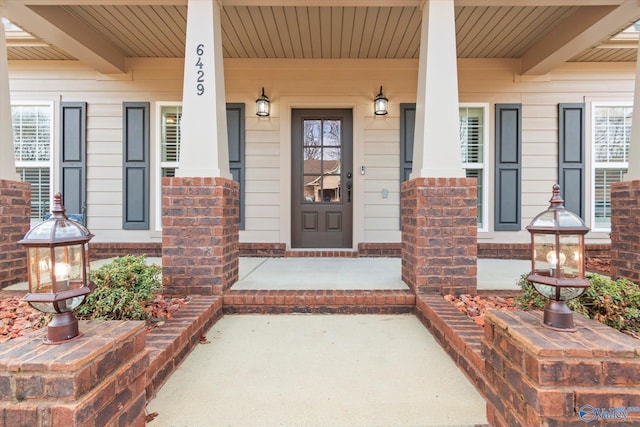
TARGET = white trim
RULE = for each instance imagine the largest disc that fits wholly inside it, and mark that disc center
(157, 163)
(53, 143)
(593, 163)
(485, 160)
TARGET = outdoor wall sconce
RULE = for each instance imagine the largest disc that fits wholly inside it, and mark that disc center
(58, 271)
(557, 261)
(262, 105)
(380, 104)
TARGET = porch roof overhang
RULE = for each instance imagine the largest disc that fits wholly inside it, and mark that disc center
(542, 34)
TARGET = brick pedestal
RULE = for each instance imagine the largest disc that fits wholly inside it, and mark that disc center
(199, 235)
(539, 377)
(439, 235)
(625, 229)
(98, 379)
(15, 218)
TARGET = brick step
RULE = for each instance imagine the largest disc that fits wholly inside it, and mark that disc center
(385, 301)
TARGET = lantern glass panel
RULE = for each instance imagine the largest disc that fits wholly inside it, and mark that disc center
(570, 251)
(567, 219)
(544, 248)
(40, 278)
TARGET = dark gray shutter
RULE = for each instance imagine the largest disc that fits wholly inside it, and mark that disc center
(571, 165)
(235, 135)
(407, 130)
(135, 166)
(73, 157)
(508, 167)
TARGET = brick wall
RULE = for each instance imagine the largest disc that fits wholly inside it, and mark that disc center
(199, 235)
(625, 229)
(106, 250)
(97, 380)
(15, 214)
(439, 235)
(523, 250)
(536, 376)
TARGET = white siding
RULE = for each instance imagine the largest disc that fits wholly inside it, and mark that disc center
(320, 84)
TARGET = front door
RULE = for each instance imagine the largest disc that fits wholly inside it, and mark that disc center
(321, 178)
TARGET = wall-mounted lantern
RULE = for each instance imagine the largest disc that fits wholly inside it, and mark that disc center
(557, 261)
(58, 271)
(262, 105)
(380, 104)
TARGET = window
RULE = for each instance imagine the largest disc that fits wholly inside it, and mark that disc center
(170, 135)
(472, 137)
(611, 135)
(32, 143)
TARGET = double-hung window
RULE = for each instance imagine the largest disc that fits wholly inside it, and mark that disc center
(611, 136)
(473, 128)
(32, 144)
(170, 137)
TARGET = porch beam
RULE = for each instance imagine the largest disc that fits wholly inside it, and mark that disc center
(585, 28)
(436, 148)
(403, 3)
(7, 156)
(69, 34)
(204, 150)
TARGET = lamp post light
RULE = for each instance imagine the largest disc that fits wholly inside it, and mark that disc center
(58, 271)
(557, 261)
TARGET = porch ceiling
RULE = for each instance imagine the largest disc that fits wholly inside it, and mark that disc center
(542, 33)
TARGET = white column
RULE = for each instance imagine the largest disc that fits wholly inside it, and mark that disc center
(204, 150)
(7, 156)
(436, 149)
(634, 143)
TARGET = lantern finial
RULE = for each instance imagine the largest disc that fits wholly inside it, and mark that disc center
(556, 201)
(57, 210)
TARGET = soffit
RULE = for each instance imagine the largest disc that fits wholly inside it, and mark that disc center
(318, 31)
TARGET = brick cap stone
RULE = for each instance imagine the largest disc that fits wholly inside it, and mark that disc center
(593, 339)
(29, 353)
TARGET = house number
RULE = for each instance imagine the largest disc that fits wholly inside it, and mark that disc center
(200, 71)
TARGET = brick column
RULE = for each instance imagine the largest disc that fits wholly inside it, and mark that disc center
(625, 229)
(96, 380)
(535, 376)
(15, 219)
(439, 235)
(200, 219)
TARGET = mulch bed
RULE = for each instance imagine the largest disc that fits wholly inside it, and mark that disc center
(18, 318)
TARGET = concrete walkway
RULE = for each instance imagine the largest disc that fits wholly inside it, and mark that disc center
(318, 370)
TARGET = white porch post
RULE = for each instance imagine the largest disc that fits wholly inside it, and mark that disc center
(436, 150)
(7, 156)
(634, 144)
(204, 148)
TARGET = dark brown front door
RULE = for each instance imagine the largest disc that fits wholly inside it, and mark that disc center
(321, 178)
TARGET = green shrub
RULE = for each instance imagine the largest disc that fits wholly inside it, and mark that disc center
(614, 303)
(123, 288)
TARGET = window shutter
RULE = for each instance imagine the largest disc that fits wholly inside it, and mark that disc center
(235, 135)
(571, 164)
(73, 155)
(407, 130)
(135, 204)
(508, 167)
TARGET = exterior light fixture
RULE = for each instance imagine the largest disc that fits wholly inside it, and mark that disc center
(380, 104)
(58, 271)
(262, 105)
(557, 261)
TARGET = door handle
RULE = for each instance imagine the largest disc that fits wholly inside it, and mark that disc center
(349, 187)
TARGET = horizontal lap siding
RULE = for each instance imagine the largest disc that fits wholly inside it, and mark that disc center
(312, 83)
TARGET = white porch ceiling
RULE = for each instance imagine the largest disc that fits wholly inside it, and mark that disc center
(542, 33)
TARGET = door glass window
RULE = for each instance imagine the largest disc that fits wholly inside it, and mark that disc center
(322, 161)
